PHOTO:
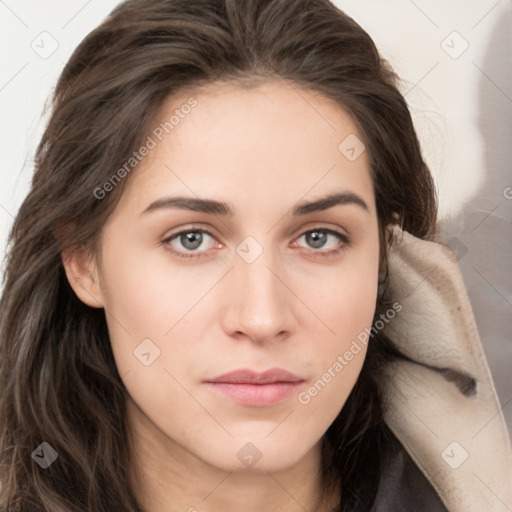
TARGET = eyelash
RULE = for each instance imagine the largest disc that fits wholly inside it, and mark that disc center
(317, 254)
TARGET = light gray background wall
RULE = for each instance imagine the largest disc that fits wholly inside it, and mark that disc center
(455, 59)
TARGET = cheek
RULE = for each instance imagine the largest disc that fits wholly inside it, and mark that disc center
(143, 291)
(137, 305)
(345, 298)
(154, 306)
(340, 356)
(346, 306)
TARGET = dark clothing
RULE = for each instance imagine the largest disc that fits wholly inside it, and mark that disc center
(403, 487)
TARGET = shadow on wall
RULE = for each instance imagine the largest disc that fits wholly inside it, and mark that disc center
(481, 233)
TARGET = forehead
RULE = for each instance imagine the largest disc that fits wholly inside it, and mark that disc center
(270, 142)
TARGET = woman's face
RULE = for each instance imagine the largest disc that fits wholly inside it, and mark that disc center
(257, 280)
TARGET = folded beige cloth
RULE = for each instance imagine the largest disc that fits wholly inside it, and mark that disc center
(444, 408)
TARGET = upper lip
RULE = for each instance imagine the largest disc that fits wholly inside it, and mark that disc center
(247, 376)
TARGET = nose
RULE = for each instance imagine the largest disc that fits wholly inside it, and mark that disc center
(260, 302)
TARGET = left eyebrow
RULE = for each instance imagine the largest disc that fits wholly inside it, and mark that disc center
(324, 203)
(214, 207)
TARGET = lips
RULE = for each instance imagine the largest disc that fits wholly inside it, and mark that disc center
(246, 376)
(250, 388)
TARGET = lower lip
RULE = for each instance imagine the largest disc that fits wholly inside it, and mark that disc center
(256, 394)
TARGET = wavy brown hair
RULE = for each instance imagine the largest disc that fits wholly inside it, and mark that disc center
(58, 378)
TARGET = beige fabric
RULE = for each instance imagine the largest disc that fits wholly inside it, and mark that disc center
(435, 420)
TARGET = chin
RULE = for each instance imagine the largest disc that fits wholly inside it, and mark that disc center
(258, 455)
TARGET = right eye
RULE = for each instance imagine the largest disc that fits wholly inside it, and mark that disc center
(190, 239)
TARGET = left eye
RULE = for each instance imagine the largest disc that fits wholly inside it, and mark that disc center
(317, 237)
(192, 238)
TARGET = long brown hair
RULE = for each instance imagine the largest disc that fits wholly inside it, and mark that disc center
(58, 378)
